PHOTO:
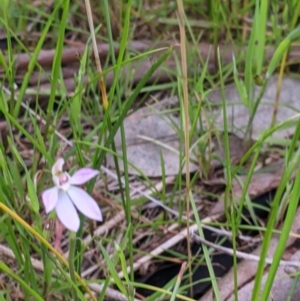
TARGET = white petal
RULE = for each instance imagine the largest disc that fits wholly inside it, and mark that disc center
(50, 198)
(85, 203)
(58, 167)
(83, 175)
(66, 212)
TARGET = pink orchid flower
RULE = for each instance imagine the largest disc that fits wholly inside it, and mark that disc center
(65, 196)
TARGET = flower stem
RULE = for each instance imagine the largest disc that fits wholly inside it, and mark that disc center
(71, 262)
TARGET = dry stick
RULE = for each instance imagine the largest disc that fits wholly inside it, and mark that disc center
(38, 265)
(168, 244)
(96, 53)
(119, 217)
(161, 74)
(186, 132)
(99, 68)
(180, 275)
(7, 252)
(245, 24)
(243, 255)
(113, 294)
(70, 55)
(278, 89)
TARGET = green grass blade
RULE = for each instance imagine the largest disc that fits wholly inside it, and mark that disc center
(269, 231)
(294, 199)
(33, 61)
(115, 87)
(25, 133)
(113, 272)
(56, 67)
(260, 34)
(208, 261)
(130, 101)
(26, 287)
(280, 50)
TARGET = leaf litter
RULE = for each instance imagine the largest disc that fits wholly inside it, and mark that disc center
(264, 180)
(153, 138)
(153, 132)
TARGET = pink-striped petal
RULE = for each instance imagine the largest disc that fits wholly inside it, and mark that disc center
(83, 175)
(85, 203)
(66, 212)
(50, 198)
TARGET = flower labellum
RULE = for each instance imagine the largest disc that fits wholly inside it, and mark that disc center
(65, 196)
